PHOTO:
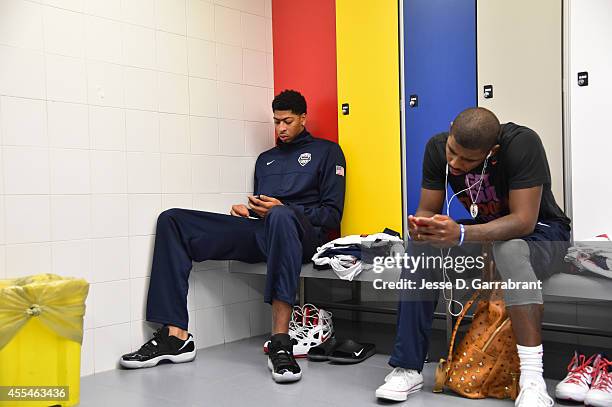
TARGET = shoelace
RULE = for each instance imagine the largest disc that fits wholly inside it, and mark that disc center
(311, 318)
(282, 359)
(602, 377)
(400, 373)
(580, 370)
(533, 396)
(149, 347)
(295, 325)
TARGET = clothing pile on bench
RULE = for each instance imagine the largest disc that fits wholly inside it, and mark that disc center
(350, 255)
(594, 255)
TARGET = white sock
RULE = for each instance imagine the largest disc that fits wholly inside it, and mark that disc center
(532, 368)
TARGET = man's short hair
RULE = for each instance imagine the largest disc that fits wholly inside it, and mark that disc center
(290, 100)
(476, 128)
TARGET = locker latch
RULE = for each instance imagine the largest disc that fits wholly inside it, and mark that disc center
(488, 91)
(345, 109)
(413, 101)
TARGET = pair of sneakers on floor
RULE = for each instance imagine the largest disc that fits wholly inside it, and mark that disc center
(400, 383)
(164, 346)
(309, 327)
(588, 381)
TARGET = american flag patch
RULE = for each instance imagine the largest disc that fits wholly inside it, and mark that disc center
(340, 170)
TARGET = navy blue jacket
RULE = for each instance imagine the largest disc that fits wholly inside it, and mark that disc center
(307, 174)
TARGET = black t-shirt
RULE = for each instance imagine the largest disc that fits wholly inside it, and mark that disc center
(519, 163)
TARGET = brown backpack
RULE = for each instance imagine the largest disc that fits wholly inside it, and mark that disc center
(485, 363)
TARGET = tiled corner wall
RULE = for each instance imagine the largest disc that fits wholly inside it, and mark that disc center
(112, 111)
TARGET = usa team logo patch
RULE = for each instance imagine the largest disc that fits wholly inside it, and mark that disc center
(340, 170)
(304, 159)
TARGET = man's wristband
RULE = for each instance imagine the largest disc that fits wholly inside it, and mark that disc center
(462, 236)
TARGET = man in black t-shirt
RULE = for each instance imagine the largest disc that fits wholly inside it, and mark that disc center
(501, 176)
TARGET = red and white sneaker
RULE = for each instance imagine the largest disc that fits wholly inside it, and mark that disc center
(317, 327)
(577, 383)
(600, 394)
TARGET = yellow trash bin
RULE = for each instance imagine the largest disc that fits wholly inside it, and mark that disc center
(41, 331)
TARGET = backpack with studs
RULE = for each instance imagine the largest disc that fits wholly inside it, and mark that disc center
(485, 363)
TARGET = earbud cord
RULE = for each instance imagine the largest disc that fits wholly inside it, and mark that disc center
(445, 277)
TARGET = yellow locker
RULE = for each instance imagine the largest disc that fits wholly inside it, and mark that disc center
(368, 80)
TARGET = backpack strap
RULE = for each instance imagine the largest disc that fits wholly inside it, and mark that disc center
(468, 305)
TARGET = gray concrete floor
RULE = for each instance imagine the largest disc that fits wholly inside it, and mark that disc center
(236, 374)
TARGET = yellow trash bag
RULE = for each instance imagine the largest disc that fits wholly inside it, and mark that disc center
(41, 331)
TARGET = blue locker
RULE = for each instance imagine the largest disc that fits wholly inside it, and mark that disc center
(440, 69)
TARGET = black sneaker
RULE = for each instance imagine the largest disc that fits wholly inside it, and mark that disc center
(161, 347)
(281, 361)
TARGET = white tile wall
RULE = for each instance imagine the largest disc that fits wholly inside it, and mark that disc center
(109, 215)
(171, 52)
(237, 321)
(103, 39)
(253, 32)
(21, 259)
(201, 58)
(173, 93)
(111, 262)
(144, 172)
(27, 218)
(204, 134)
(64, 32)
(110, 112)
(26, 170)
(66, 79)
(202, 97)
(107, 128)
(173, 133)
(22, 73)
(70, 217)
(104, 8)
(200, 19)
(138, 12)
(73, 258)
(229, 63)
(141, 90)
(21, 24)
(171, 16)
(105, 84)
(232, 142)
(138, 46)
(142, 130)
(110, 341)
(70, 171)
(255, 69)
(228, 29)
(141, 255)
(24, 122)
(144, 209)
(68, 125)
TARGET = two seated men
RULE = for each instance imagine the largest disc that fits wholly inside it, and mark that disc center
(298, 200)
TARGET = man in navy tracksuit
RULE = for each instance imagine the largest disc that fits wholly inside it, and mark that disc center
(298, 200)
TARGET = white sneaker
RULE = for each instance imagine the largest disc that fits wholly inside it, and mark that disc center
(399, 384)
(577, 383)
(534, 395)
(600, 394)
(317, 327)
